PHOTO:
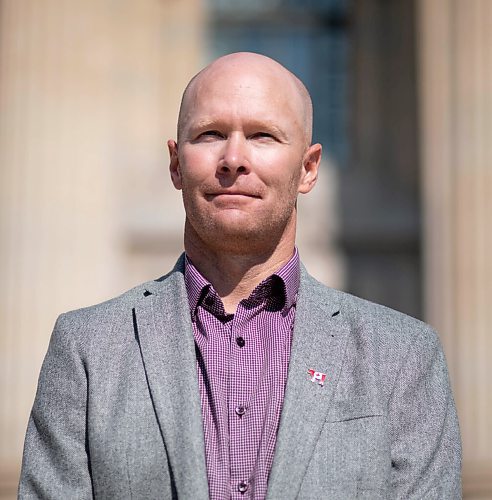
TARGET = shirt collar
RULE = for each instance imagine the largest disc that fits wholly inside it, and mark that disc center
(197, 286)
(290, 274)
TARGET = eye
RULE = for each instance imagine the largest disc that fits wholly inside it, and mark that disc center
(209, 135)
(262, 135)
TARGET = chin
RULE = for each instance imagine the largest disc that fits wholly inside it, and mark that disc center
(241, 238)
(240, 232)
(235, 232)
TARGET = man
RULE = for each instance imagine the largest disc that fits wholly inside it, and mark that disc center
(237, 375)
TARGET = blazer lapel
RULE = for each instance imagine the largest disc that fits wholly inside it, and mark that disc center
(163, 327)
(319, 340)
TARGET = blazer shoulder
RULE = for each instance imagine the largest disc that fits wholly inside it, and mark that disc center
(103, 315)
(364, 314)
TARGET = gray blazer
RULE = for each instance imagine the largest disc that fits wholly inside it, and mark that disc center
(117, 412)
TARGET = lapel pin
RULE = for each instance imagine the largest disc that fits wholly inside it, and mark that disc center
(317, 376)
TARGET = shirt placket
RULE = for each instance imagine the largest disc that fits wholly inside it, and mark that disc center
(242, 380)
(216, 355)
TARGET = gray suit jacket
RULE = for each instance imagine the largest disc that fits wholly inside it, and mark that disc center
(117, 412)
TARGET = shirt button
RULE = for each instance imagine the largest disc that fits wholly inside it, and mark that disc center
(241, 410)
(242, 487)
(240, 341)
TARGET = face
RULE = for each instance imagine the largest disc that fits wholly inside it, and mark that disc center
(242, 159)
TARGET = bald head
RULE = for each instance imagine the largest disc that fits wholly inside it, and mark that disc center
(243, 65)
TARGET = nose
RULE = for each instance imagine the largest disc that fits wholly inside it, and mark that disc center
(234, 159)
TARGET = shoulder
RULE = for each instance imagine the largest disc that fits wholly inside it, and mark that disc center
(102, 316)
(389, 344)
(364, 316)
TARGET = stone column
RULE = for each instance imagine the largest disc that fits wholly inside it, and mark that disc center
(88, 96)
(456, 137)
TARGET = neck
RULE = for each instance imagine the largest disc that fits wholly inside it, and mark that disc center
(234, 275)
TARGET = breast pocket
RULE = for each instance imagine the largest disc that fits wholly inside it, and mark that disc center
(357, 442)
(353, 409)
(353, 452)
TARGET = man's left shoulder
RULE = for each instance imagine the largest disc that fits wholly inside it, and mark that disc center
(382, 322)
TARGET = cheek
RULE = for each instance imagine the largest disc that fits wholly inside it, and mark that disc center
(197, 164)
(277, 165)
(284, 178)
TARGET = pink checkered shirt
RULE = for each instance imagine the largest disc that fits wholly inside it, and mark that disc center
(242, 362)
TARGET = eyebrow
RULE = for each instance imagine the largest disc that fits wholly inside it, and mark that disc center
(260, 125)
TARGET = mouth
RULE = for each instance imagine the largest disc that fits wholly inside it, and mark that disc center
(231, 195)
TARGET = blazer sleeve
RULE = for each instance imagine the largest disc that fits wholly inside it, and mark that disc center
(426, 445)
(55, 462)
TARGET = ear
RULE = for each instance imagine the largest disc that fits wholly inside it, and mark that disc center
(310, 166)
(174, 163)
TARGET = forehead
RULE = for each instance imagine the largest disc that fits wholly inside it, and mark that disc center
(244, 93)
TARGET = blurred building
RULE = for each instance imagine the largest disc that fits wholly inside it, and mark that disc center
(89, 93)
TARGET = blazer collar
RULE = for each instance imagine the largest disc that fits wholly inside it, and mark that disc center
(163, 328)
(319, 340)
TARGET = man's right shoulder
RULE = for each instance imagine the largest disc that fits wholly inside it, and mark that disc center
(104, 315)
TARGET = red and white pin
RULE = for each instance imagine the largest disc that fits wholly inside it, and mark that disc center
(317, 376)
